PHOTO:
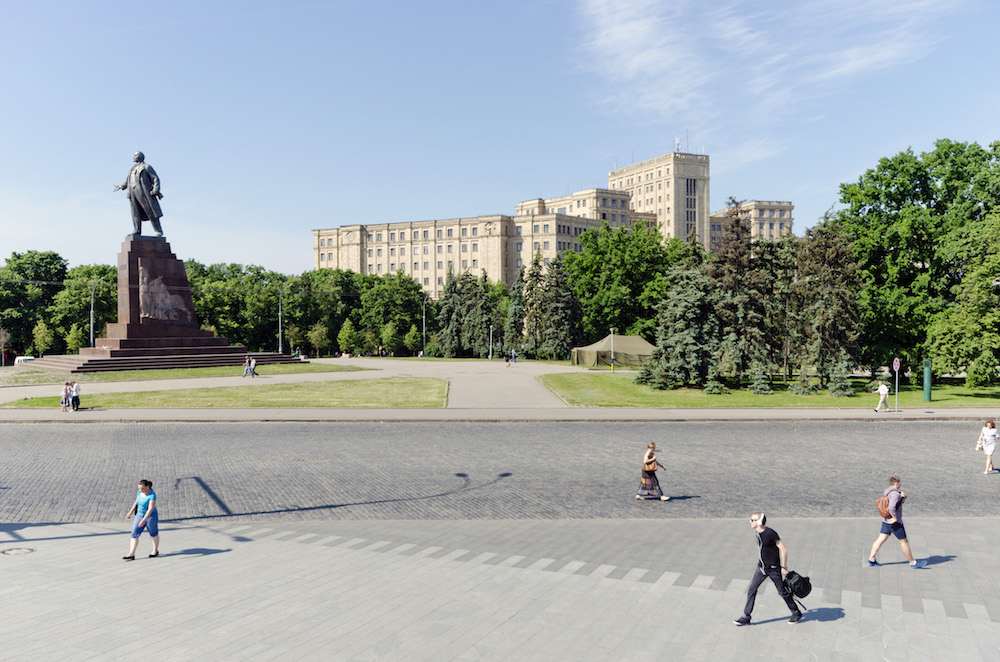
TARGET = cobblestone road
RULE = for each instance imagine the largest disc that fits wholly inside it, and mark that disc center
(341, 471)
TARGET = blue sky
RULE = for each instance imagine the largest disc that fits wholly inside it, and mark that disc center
(265, 120)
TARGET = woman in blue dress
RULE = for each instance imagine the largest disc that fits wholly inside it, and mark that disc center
(145, 516)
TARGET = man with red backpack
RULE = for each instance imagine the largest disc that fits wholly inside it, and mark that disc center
(891, 509)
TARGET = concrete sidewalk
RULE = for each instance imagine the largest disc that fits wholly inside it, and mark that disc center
(492, 590)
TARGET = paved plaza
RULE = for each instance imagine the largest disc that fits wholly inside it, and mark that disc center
(407, 539)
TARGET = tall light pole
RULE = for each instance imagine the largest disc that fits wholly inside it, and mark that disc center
(281, 294)
(423, 314)
(93, 286)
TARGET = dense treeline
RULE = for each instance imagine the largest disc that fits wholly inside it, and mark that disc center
(907, 267)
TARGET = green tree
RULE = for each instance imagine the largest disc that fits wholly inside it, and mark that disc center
(75, 339)
(687, 334)
(909, 219)
(828, 286)
(740, 285)
(965, 337)
(319, 337)
(449, 317)
(29, 282)
(413, 340)
(533, 311)
(4, 343)
(513, 330)
(562, 313)
(42, 336)
(348, 338)
(71, 305)
(294, 336)
(619, 277)
(391, 339)
(395, 298)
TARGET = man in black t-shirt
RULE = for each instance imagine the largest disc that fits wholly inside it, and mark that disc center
(772, 562)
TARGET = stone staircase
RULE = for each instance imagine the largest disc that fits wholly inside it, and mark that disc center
(182, 358)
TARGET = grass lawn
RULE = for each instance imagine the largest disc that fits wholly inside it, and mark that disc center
(604, 389)
(27, 376)
(394, 392)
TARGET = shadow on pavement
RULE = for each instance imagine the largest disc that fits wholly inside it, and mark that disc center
(824, 614)
(934, 560)
(197, 551)
(465, 487)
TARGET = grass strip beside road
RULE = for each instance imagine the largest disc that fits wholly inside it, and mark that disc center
(26, 376)
(389, 393)
(604, 389)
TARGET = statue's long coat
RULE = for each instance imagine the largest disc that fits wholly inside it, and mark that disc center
(140, 185)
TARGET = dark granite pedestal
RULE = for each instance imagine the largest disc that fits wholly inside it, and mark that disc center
(157, 326)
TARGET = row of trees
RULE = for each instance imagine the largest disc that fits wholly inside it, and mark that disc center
(748, 307)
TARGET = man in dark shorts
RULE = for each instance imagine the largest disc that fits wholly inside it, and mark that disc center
(893, 525)
(772, 563)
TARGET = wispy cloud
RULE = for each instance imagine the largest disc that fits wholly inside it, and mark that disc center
(685, 61)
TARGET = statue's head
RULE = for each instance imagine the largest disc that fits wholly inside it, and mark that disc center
(139, 157)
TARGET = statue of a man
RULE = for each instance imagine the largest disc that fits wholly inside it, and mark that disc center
(143, 189)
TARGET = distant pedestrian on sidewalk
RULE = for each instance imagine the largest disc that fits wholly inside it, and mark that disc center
(988, 443)
(506, 358)
(64, 397)
(772, 562)
(883, 393)
(893, 525)
(649, 486)
(253, 367)
(145, 516)
(246, 366)
(74, 395)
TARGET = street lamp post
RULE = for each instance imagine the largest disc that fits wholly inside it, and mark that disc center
(281, 295)
(423, 314)
(93, 286)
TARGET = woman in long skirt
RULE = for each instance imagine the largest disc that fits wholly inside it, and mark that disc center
(649, 488)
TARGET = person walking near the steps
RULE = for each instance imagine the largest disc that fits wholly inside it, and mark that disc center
(883, 393)
(893, 525)
(649, 486)
(74, 395)
(772, 564)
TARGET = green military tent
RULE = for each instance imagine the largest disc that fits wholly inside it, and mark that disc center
(630, 351)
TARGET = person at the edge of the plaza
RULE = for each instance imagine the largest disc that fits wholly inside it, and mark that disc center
(883, 393)
(893, 525)
(246, 366)
(988, 443)
(649, 486)
(64, 396)
(772, 562)
(145, 516)
(74, 395)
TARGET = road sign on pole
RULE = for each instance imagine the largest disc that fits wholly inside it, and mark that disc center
(895, 369)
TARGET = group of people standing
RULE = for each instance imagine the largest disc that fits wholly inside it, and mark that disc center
(70, 396)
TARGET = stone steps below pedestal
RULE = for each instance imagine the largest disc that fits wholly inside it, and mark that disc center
(78, 363)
